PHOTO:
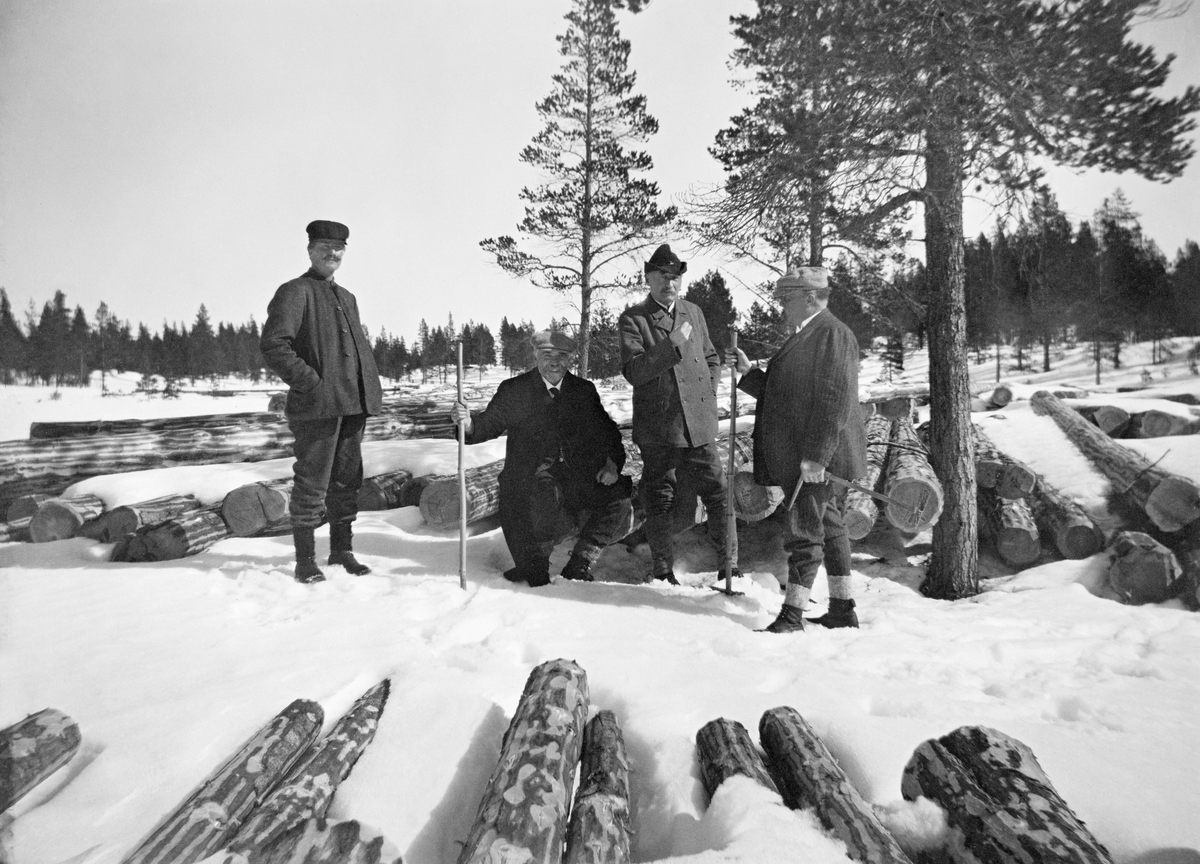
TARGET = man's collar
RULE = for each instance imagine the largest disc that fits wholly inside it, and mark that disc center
(559, 385)
(314, 273)
(808, 319)
(668, 309)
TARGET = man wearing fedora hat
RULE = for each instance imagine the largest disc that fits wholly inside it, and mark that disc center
(314, 341)
(562, 464)
(807, 421)
(667, 356)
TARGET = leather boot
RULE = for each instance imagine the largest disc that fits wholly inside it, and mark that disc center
(790, 620)
(577, 568)
(340, 540)
(307, 570)
(841, 614)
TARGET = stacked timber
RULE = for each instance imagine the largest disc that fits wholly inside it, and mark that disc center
(1109, 419)
(1009, 524)
(32, 750)
(439, 499)
(998, 471)
(598, 832)
(189, 534)
(1172, 502)
(382, 492)
(113, 525)
(999, 803)
(1059, 517)
(909, 479)
(523, 813)
(61, 518)
(260, 508)
(1003, 394)
(25, 507)
(94, 428)
(1142, 569)
(861, 509)
(1161, 424)
(725, 750)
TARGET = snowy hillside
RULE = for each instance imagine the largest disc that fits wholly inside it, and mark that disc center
(168, 668)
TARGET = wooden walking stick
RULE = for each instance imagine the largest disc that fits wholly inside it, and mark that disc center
(462, 481)
(730, 510)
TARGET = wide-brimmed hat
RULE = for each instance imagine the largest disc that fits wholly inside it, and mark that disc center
(666, 261)
(322, 229)
(554, 340)
(802, 279)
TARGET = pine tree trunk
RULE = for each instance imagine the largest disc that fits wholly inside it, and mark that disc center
(203, 823)
(1000, 805)
(1057, 516)
(724, 749)
(523, 813)
(119, 522)
(61, 518)
(809, 776)
(1009, 524)
(279, 823)
(1110, 419)
(1172, 502)
(1143, 570)
(382, 492)
(258, 508)
(439, 500)
(998, 471)
(190, 534)
(599, 829)
(909, 478)
(861, 509)
(32, 750)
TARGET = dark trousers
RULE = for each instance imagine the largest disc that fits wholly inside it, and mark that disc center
(534, 519)
(665, 471)
(328, 469)
(816, 532)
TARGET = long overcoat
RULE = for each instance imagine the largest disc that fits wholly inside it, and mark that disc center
(314, 341)
(674, 389)
(808, 407)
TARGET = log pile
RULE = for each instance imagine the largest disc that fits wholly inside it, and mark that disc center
(909, 478)
(998, 471)
(1059, 517)
(598, 832)
(1142, 569)
(114, 525)
(32, 750)
(61, 518)
(861, 509)
(189, 534)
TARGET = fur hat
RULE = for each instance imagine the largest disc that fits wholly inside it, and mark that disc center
(554, 340)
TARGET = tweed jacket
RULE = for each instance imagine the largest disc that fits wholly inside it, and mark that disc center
(314, 341)
(808, 406)
(674, 389)
(572, 435)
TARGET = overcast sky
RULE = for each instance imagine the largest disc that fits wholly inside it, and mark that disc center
(158, 155)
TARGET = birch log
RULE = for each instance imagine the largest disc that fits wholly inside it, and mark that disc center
(439, 500)
(523, 813)
(1142, 569)
(1172, 502)
(1009, 524)
(61, 518)
(999, 803)
(204, 822)
(1059, 517)
(382, 492)
(910, 479)
(190, 534)
(725, 750)
(861, 509)
(32, 750)
(599, 829)
(119, 522)
(809, 776)
(258, 508)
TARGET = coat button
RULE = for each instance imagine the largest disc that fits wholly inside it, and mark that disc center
(347, 353)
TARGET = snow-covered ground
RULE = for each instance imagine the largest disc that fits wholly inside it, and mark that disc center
(168, 668)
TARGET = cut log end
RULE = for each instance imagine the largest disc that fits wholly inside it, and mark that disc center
(1143, 570)
(1174, 503)
(249, 509)
(1078, 541)
(752, 501)
(924, 504)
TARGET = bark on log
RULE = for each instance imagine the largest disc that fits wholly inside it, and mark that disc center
(1057, 516)
(808, 776)
(1010, 526)
(439, 500)
(1004, 394)
(910, 479)
(258, 508)
(322, 842)
(1143, 570)
(32, 750)
(15, 532)
(1161, 424)
(382, 492)
(133, 426)
(996, 470)
(119, 522)
(1109, 419)
(1172, 502)
(61, 518)
(725, 749)
(278, 824)
(599, 829)
(25, 507)
(861, 509)
(751, 501)
(999, 803)
(523, 813)
(190, 534)
(208, 818)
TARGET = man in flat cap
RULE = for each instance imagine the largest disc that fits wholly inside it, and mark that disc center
(562, 464)
(807, 421)
(667, 356)
(314, 341)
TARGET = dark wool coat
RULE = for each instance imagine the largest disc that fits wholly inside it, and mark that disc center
(674, 389)
(808, 406)
(575, 434)
(314, 341)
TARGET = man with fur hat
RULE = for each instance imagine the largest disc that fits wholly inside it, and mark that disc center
(562, 464)
(314, 341)
(807, 421)
(667, 356)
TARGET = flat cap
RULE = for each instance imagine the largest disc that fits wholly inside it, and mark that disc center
(322, 229)
(556, 340)
(802, 279)
(666, 261)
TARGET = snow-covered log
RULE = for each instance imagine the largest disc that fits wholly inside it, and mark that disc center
(16, 531)
(1075, 534)
(996, 470)
(808, 776)
(884, 392)
(1109, 419)
(382, 492)
(32, 750)
(1009, 524)
(724, 749)
(204, 822)
(25, 506)
(1006, 393)
(277, 826)
(861, 509)
(999, 803)
(1172, 502)
(112, 525)
(1161, 424)
(189, 534)
(909, 478)
(61, 518)
(439, 500)
(523, 813)
(599, 829)
(1142, 569)
(258, 508)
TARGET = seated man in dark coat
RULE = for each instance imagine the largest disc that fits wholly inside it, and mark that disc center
(562, 464)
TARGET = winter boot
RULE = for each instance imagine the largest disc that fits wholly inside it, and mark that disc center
(340, 540)
(790, 620)
(577, 569)
(667, 576)
(307, 570)
(841, 614)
